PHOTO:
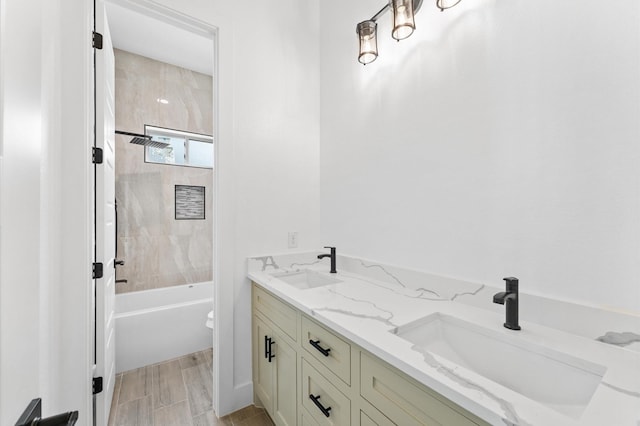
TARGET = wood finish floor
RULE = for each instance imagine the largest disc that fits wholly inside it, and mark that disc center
(178, 392)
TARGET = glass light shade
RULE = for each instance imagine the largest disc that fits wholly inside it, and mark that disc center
(368, 42)
(446, 4)
(403, 19)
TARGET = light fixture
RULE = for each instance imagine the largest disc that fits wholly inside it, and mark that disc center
(162, 101)
(403, 21)
(403, 25)
(368, 42)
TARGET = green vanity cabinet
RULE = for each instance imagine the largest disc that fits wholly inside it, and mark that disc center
(305, 373)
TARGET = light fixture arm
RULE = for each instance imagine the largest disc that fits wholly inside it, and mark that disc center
(416, 6)
(382, 11)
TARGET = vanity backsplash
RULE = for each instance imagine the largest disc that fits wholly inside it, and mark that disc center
(606, 326)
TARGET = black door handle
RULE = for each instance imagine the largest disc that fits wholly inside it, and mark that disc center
(31, 416)
(321, 407)
(316, 344)
(66, 419)
(271, 355)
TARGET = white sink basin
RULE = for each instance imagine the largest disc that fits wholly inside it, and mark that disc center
(557, 380)
(306, 279)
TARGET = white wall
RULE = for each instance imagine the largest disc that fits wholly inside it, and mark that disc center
(268, 142)
(501, 139)
(21, 336)
(276, 138)
(45, 279)
(518, 155)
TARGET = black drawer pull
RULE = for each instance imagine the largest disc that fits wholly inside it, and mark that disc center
(316, 344)
(271, 355)
(315, 399)
(268, 348)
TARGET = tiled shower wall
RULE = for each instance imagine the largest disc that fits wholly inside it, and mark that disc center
(158, 250)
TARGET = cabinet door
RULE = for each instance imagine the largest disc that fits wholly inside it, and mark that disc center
(403, 402)
(285, 386)
(263, 367)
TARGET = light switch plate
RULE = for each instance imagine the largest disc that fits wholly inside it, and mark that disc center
(293, 239)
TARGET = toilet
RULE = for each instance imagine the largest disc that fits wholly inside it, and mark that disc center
(209, 322)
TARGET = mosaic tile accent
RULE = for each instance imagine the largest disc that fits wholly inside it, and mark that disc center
(189, 202)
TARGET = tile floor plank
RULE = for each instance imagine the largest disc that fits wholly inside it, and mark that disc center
(248, 416)
(209, 419)
(177, 392)
(135, 384)
(168, 384)
(114, 400)
(208, 355)
(245, 413)
(135, 413)
(177, 414)
(261, 419)
(193, 360)
(199, 383)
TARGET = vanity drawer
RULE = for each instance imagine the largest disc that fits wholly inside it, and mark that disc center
(402, 401)
(374, 418)
(370, 416)
(306, 419)
(331, 406)
(277, 311)
(333, 352)
(366, 420)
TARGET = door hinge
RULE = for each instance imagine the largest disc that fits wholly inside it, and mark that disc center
(96, 42)
(97, 385)
(97, 155)
(97, 270)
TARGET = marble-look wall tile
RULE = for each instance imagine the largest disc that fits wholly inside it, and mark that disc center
(158, 250)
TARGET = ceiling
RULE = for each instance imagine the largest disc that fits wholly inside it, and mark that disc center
(137, 30)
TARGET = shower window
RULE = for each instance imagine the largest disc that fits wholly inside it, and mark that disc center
(183, 149)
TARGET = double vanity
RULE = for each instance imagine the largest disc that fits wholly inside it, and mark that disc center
(375, 345)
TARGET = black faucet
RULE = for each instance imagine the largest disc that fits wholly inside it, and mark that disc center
(333, 258)
(511, 298)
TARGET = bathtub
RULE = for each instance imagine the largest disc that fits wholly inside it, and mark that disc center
(156, 325)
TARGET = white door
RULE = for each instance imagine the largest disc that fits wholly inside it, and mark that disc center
(105, 219)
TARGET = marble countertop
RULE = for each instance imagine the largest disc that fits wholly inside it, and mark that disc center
(367, 311)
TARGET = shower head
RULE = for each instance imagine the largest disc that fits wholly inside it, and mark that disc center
(147, 141)
(144, 140)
